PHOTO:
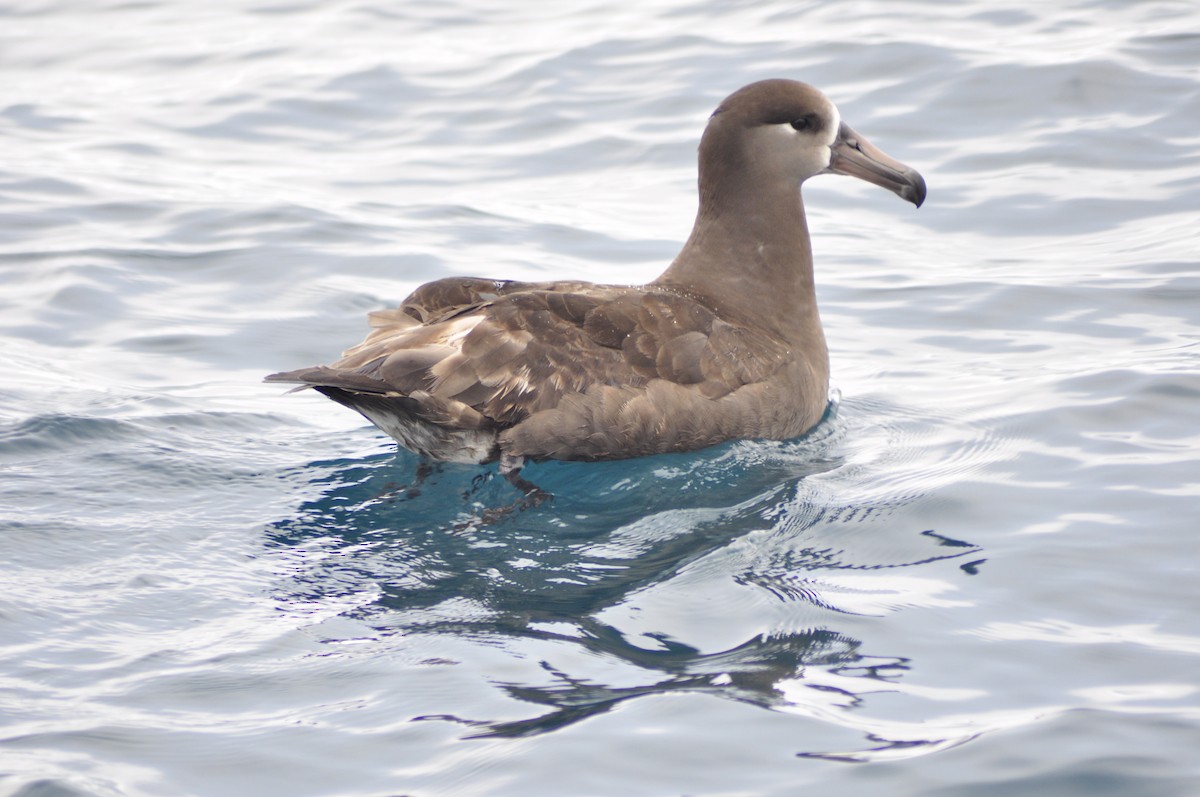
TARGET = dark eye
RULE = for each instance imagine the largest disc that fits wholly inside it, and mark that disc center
(805, 122)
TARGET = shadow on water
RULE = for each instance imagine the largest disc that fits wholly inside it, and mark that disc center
(418, 560)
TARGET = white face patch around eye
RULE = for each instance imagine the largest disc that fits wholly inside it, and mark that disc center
(782, 150)
(831, 134)
(835, 120)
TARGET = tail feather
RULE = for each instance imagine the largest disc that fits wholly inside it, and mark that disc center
(433, 428)
(375, 398)
(324, 376)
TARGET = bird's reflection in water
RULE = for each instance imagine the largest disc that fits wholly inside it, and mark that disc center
(418, 562)
(748, 673)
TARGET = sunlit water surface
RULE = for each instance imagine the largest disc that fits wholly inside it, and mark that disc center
(977, 578)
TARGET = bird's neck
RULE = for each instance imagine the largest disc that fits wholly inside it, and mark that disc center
(749, 259)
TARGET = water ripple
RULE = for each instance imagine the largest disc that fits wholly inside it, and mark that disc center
(983, 552)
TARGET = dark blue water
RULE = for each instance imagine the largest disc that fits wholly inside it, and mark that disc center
(976, 578)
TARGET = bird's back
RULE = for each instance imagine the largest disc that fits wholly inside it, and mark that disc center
(568, 370)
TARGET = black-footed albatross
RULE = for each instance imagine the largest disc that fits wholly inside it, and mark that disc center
(726, 344)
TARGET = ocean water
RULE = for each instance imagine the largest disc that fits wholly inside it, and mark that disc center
(978, 577)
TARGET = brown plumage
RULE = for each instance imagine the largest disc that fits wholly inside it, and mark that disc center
(726, 344)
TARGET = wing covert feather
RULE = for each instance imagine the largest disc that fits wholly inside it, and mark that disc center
(509, 350)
